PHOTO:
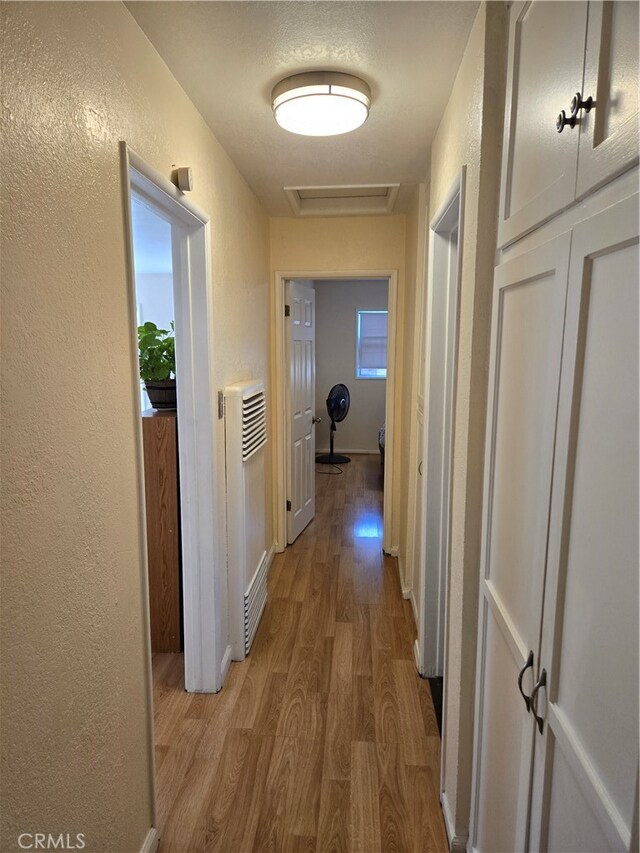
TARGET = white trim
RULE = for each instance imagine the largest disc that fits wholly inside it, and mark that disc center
(414, 607)
(394, 551)
(449, 218)
(457, 843)
(279, 395)
(151, 842)
(193, 302)
(354, 451)
(226, 663)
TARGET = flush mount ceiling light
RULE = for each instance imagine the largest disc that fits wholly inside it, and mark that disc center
(321, 103)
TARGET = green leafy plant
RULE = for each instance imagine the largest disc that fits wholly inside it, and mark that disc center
(157, 352)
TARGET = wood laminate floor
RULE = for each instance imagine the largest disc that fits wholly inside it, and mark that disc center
(325, 738)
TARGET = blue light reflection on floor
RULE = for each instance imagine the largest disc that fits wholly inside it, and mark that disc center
(368, 526)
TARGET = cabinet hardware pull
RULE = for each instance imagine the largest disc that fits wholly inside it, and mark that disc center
(578, 104)
(541, 682)
(528, 663)
(563, 120)
(420, 468)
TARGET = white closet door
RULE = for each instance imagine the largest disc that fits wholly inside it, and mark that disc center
(546, 54)
(609, 132)
(586, 763)
(528, 316)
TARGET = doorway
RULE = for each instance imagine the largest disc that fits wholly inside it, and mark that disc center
(187, 291)
(433, 496)
(282, 362)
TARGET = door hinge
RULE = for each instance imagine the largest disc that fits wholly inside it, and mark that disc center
(288, 506)
(287, 310)
(220, 404)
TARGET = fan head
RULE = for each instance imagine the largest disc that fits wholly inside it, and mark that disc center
(338, 403)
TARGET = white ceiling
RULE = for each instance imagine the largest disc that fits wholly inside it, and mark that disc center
(229, 55)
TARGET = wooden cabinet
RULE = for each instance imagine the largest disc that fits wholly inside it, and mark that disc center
(159, 433)
(545, 171)
(556, 717)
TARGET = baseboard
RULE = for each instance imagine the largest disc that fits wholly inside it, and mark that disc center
(151, 841)
(414, 607)
(416, 656)
(347, 450)
(394, 551)
(457, 843)
(226, 663)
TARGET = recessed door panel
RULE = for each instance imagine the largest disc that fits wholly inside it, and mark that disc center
(609, 132)
(573, 828)
(546, 48)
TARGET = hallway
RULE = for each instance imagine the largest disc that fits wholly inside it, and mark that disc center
(325, 738)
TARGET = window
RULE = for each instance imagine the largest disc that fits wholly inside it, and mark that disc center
(371, 345)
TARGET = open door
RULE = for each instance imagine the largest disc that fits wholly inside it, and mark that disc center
(300, 320)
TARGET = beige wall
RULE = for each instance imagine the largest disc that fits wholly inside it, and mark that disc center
(478, 95)
(337, 304)
(344, 244)
(77, 78)
(414, 286)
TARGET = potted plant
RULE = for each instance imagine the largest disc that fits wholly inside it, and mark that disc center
(157, 353)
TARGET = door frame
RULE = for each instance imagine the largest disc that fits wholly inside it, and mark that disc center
(193, 305)
(280, 372)
(449, 219)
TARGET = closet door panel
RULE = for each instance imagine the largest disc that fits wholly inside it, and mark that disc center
(573, 828)
(528, 313)
(590, 628)
(546, 50)
(506, 749)
(530, 318)
(609, 132)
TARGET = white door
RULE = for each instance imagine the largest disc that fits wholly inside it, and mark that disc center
(301, 391)
(528, 315)
(586, 764)
(546, 54)
(609, 131)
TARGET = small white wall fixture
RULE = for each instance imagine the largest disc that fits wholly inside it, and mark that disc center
(280, 403)
(441, 343)
(196, 416)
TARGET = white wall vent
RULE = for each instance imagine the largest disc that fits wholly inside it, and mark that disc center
(245, 422)
(355, 200)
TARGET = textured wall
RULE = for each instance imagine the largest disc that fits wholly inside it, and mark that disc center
(337, 304)
(478, 94)
(409, 454)
(75, 728)
(342, 244)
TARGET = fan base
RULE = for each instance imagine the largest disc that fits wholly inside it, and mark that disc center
(332, 459)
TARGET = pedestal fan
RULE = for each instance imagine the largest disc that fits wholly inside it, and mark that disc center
(337, 408)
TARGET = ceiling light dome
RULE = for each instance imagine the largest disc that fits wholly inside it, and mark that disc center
(321, 103)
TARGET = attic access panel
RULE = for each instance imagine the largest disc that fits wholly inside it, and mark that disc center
(356, 200)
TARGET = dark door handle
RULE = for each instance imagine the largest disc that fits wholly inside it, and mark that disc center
(528, 663)
(541, 682)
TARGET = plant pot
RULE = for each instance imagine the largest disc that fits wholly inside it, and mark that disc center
(162, 394)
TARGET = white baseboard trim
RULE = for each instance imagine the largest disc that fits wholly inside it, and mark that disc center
(394, 551)
(416, 656)
(226, 663)
(457, 843)
(151, 841)
(356, 452)
(414, 607)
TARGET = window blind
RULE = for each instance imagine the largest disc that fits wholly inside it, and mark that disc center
(372, 340)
